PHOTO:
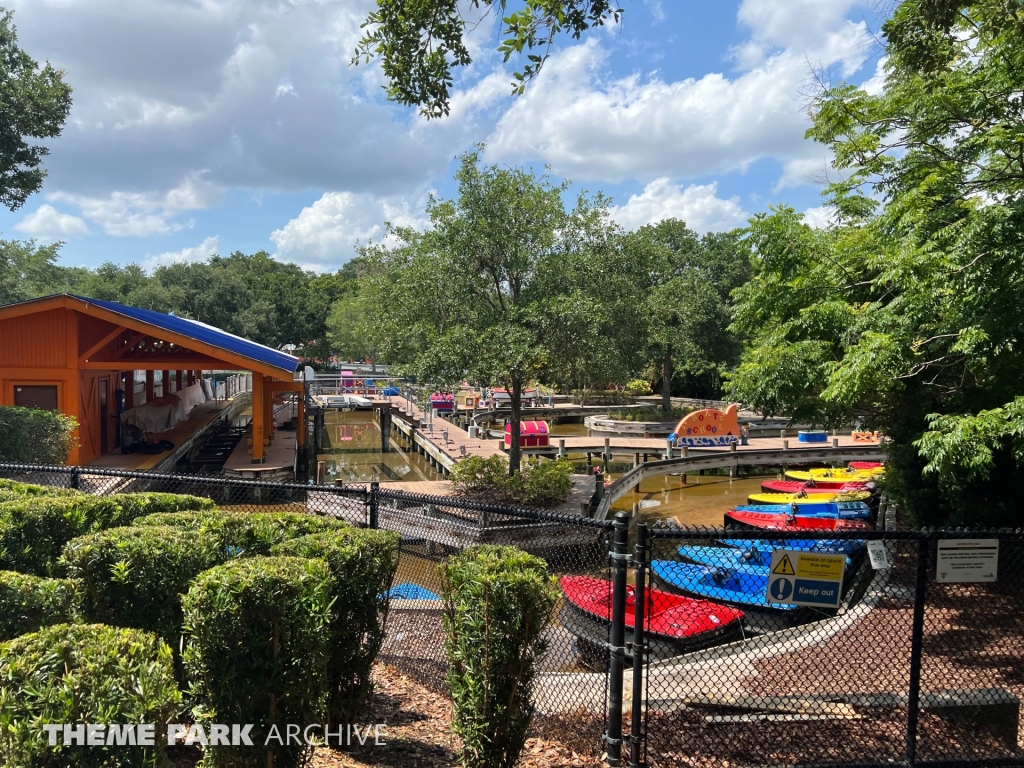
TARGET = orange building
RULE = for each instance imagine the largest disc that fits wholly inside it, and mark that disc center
(73, 355)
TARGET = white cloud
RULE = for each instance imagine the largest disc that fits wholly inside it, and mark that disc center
(141, 214)
(327, 231)
(47, 223)
(820, 217)
(804, 170)
(698, 205)
(200, 252)
(591, 128)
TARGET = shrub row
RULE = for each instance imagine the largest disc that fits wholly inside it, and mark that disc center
(34, 530)
(12, 490)
(82, 673)
(35, 436)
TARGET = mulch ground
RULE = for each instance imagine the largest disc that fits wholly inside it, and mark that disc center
(419, 733)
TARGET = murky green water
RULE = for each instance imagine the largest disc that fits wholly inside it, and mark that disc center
(352, 452)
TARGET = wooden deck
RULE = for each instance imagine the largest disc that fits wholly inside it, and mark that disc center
(183, 435)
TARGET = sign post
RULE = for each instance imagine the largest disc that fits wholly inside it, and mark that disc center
(800, 577)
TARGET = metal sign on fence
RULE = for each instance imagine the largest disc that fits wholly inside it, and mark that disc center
(806, 578)
(961, 561)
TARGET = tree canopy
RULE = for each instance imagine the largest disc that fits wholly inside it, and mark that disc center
(907, 314)
(34, 103)
(419, 42)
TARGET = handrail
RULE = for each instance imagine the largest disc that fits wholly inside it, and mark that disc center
(718, 459)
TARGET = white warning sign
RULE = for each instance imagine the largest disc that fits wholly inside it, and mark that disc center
(961, 561)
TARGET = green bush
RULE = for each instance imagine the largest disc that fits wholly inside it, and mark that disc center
(33, 436)
(258, 641)
(30, 602)
(540, 482)
(12, 490)
(33, 531)
(363, 565)
(84, 673)
(497, 603)
(136, 576)
(247, 533)
(601, 397)
(651, 414)
(638, 387)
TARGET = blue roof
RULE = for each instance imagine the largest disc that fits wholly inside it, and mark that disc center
(207, 334)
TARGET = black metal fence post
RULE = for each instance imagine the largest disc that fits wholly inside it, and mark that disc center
(639, 644)
(617, 640)
(917, 648)
(76, 478)
(374, 490)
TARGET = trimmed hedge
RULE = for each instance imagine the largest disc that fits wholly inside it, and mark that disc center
(257, 649)
(497, 603)
(29, 602)
(363, 564)
(12, 490)
(35, 436)
(540, 482)
(84, 673)
(247, 533)
(33, 531)
(136, 576)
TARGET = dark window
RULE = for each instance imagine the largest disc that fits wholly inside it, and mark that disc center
(44, 397)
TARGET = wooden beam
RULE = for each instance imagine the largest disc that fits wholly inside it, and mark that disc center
(129, 389)
(101, 344)
(31, 307)
(129, 345)
(258, 416)
(285, 386)
(150, 385)
(142, 364)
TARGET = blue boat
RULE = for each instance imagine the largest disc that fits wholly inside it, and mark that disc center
(837, 546)
(751, 559)
(721, 584)
(410, 591)
(844, 510)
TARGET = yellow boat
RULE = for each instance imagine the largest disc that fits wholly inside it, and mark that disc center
(808, 498)
(836, 475)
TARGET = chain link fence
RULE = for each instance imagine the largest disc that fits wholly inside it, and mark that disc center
(887, 660)
(690, 651)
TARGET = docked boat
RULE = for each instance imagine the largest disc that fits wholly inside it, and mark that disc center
(791, 522)
(834, 475)
(865, 465)
(720, 584)
(442, 402)
(752, 559)
(830, 546)
(814, 486)
(808, 497)
(675, 624)
(846, 510)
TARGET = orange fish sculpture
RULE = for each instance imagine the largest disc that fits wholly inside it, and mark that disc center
(709, 427)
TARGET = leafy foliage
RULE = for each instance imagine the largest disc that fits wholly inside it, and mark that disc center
(135, 576)
(34, 530)
(34, 436)
(84, 673)
(12, 490)
(419, 43)
(246, 533)
(363, 564)
(540, 482)
(258, 643)
(30, 602)
(650, 414)
(497, 603)
(35, 103)
(907, 314)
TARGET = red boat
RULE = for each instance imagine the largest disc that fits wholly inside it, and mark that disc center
(784, 522)
(675, 624)
(865, 464)
(795, 486)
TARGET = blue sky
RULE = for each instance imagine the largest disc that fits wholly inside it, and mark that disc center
(209, 126)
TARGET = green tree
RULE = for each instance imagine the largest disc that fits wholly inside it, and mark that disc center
(355, 330)
(419, 42)
(34, 103)
(28, 271)
(476, 296)
(908, 314)
(683, 282)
